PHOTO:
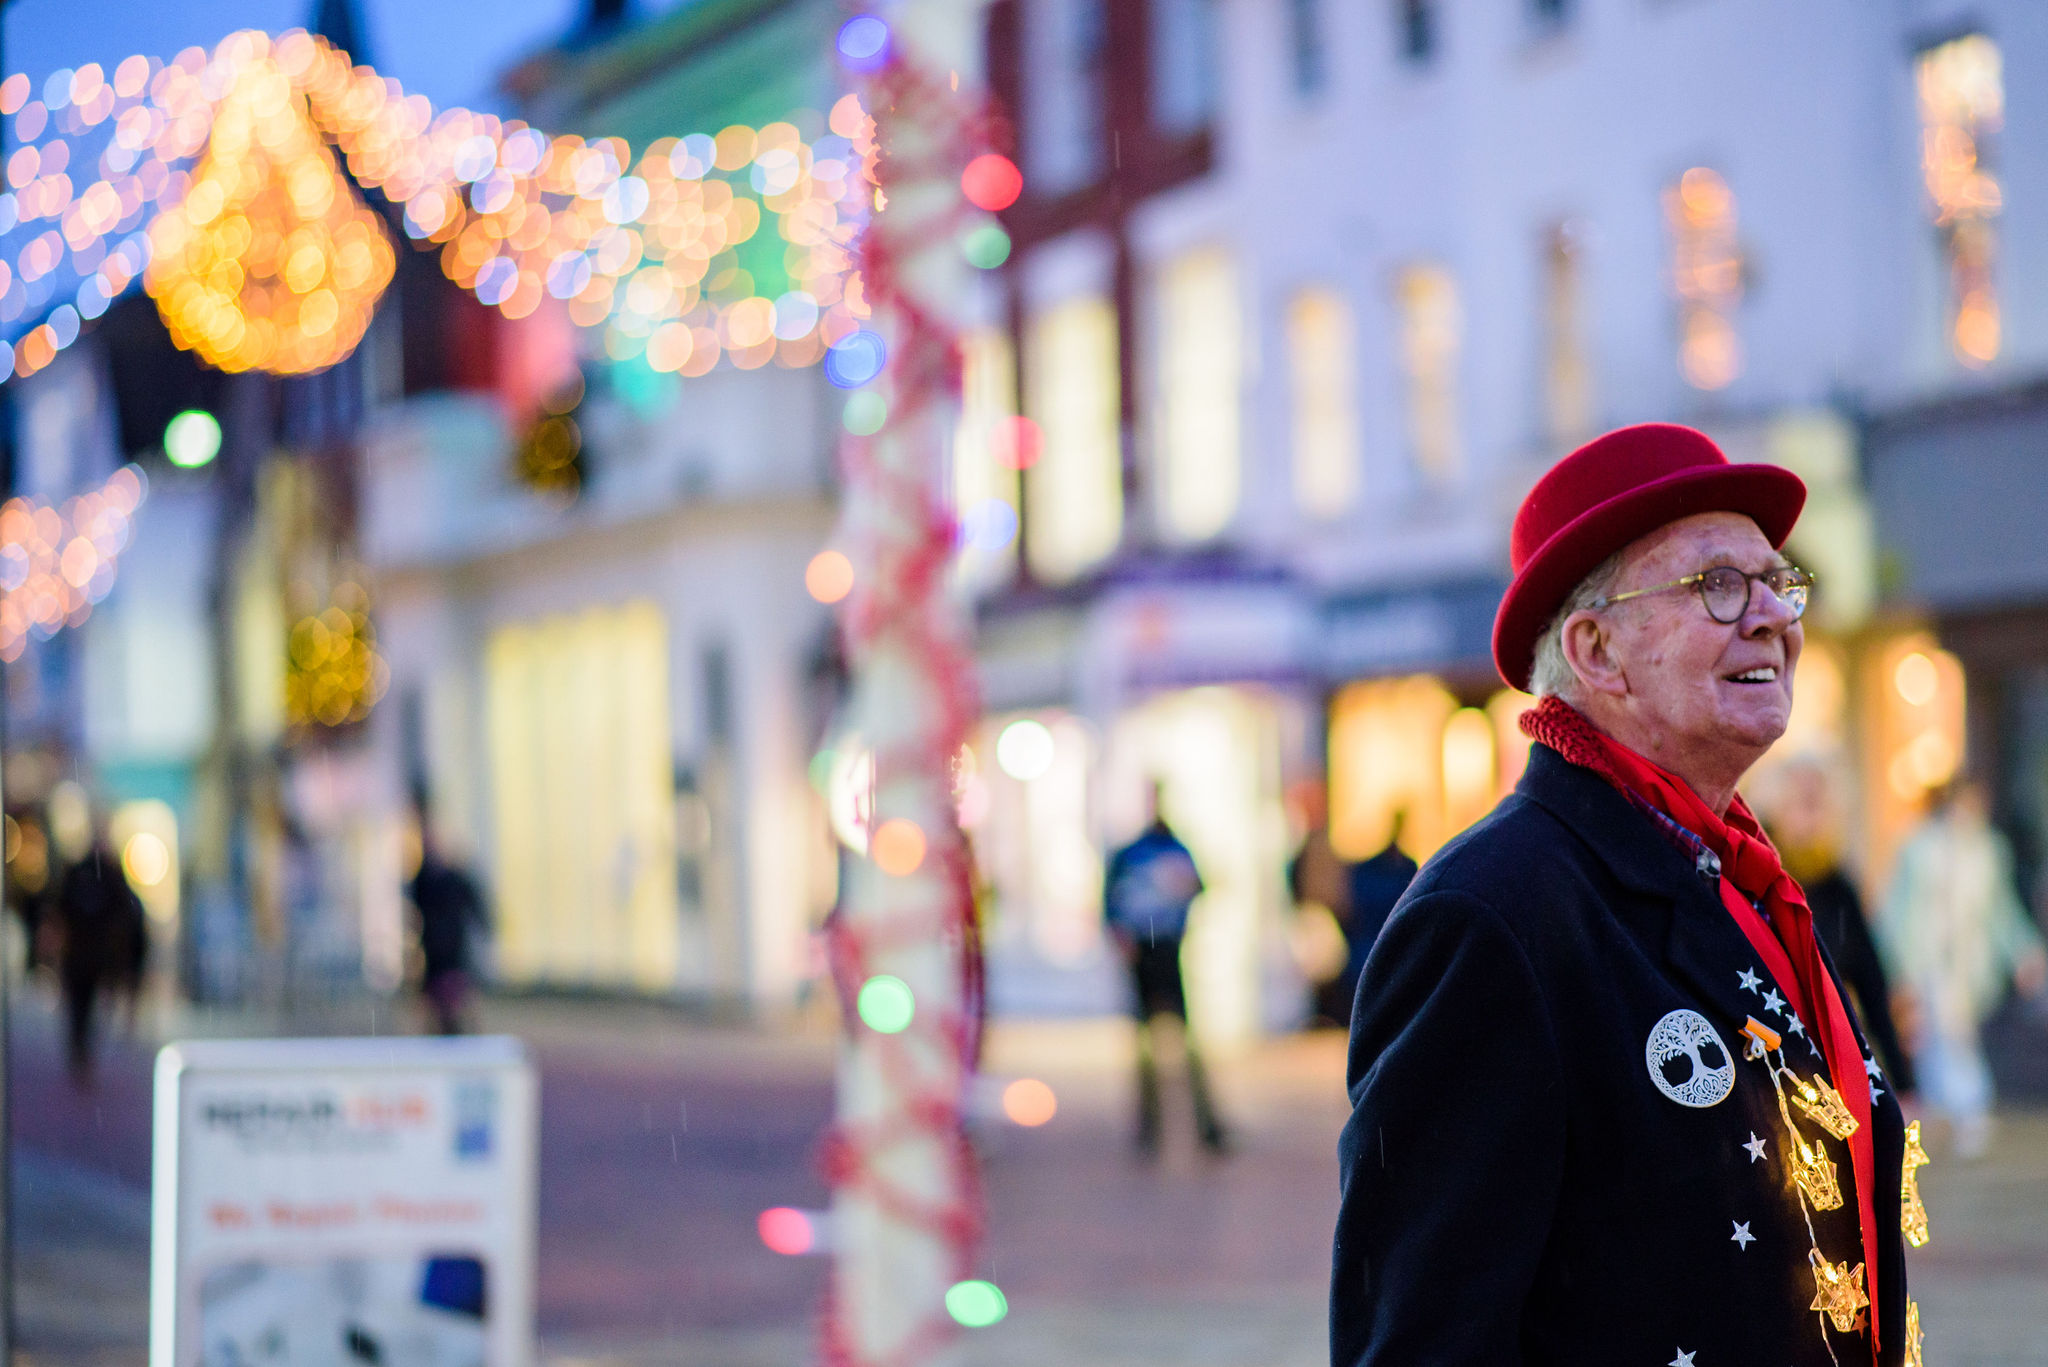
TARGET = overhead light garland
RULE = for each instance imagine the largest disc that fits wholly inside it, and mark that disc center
(731, 246)
(57, 562)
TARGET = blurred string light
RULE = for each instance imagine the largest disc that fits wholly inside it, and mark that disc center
(161, 169)
(885, 1004)
(1706, 275)
(976, 1304)
(192, 439)
(1025, 749)
(333, 673)
(57, 562)
(1029, 1102)
(788, 1231)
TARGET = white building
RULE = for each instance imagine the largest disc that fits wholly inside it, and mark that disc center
(1306, 294)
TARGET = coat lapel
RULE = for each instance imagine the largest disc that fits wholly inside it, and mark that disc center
(1700, 942)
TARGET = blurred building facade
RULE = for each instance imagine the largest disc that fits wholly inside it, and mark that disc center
(1305, 295)
(608, 677)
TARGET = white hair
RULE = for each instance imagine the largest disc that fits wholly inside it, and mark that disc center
(1551, 675)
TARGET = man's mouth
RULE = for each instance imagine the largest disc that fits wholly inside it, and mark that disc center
(1761, 674)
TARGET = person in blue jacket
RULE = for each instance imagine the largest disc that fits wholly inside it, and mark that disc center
(1148, 889)
(1611, 1106)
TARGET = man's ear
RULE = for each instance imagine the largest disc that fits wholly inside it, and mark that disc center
(1589, 649)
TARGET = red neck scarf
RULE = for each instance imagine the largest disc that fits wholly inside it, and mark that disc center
(1751, 873)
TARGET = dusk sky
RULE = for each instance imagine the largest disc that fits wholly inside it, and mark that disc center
(448, 50)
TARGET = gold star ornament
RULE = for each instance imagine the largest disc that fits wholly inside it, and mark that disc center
(1913, 1214)
(1913, 1335)
(1814, 1171)
(1823, 1105)
(1838, 1292)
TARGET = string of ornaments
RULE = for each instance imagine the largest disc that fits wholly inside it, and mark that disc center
(903, 945)
(1839, 1296)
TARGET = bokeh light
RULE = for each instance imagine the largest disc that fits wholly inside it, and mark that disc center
(829, 576)
(1029, 1102)
(1024, 749)
(985, 245)
(989, 525)
(976, 1304)
(1018, 442)
(863, 42)
(855, 359)
(865, 414)
(192, 439)
(992, 182)
(787, 1231)
(145, 859)
(898, 847)
(886, 1005)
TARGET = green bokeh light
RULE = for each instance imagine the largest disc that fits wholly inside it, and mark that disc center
(192, 438)
(865, 413)
(985, 245)
(976, 1304)
(886, 1005)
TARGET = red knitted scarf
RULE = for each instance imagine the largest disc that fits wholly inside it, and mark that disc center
(1751, 876)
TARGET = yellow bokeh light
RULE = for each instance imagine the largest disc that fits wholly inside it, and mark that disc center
(145, 859)
(267, 175)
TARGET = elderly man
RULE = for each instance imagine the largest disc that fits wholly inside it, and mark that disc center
(1609, 1104)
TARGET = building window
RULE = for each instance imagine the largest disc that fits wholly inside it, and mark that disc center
(1322, 365)
(1074, 493)
(1431, 324)
(1184, 68)
(1415, 35)
(1568, 372)
(989, 448)
(1962, 106)
(1306, 46)
(1200, 373)
(1706, 277)
(1065, 90)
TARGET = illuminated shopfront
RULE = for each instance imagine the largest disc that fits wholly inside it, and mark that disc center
(1406, 747)
(583, 799)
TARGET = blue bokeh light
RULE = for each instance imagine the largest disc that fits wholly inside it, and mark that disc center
(855, 359)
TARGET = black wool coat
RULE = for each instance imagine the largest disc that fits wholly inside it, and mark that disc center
(1518, 1186)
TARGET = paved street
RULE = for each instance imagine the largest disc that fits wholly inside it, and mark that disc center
(662, 1140)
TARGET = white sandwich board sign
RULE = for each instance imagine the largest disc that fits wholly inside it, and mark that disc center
(343, 1203)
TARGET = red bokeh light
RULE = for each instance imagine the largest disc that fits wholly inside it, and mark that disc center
(992, 182)
(786, 1231)
(1019, 442)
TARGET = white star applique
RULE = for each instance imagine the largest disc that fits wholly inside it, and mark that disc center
(1684, 1359)
(1875, 1092)
(1755, 1147)
(1750, 981)
(1742, 1235)
(1870, 1068)
(1774, 1001)
(1793, 1027)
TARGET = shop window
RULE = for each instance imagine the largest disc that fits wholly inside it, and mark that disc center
(989, 448)
(1184, 72)
(1567, 369)
(1073, 494)
(1033, 840)
(1200, 352)
(1307, 46)
(1322, 365)
(1918, 697)
(1706, 277)
(1405, 748)
(1431, 328)
(583, 799)
(1962, 108)
(1065, 93)
(1415, 31)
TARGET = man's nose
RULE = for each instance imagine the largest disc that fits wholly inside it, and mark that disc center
(1768, 614)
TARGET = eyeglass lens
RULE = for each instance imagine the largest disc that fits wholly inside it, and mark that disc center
(1726, 591)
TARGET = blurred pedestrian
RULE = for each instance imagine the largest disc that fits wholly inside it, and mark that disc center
(1148, 889)
(1957, 934)
(451, 909)
(1377, 883)
(105, 943)
(1319, 880)
(1609, 1103)
(1804, 822)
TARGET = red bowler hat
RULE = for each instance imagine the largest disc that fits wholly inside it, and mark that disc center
(1607, 493)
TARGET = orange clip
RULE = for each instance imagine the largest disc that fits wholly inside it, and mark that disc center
(1762, 1034)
